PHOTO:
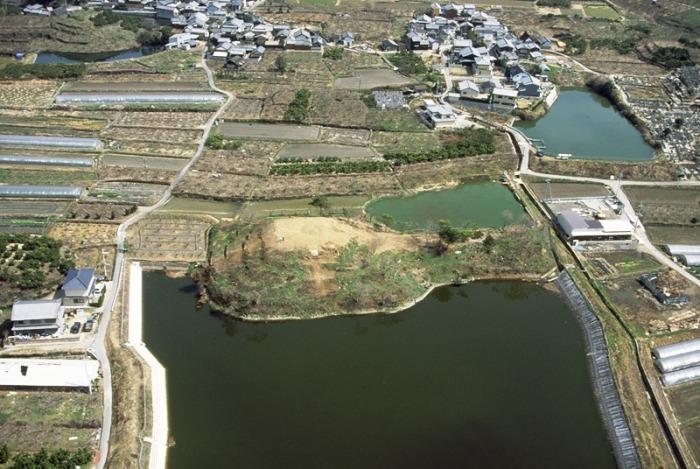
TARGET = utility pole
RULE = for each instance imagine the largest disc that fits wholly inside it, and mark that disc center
(104, 261)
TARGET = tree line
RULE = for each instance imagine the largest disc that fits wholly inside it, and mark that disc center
(459, 144)
(347, 167)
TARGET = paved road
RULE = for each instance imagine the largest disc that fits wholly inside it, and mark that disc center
(98, 348)
(640, 233)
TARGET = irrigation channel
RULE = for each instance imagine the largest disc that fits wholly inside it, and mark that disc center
(587, 126)
(483, 204)
(489, 374)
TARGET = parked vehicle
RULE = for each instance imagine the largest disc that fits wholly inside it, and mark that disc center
(75, 328)
(89, 324)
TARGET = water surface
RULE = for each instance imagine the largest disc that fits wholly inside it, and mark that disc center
(76, 58)
(483, 204)
(491, 374)
(586, 125)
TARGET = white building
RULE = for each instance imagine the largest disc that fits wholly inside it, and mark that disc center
(438, 115)
(34, 373)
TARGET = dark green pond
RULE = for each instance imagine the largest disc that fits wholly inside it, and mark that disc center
(482, 204)
(488, 375)
(586, 125)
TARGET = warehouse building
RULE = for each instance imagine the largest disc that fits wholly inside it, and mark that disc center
(36, 317)
(577, 227)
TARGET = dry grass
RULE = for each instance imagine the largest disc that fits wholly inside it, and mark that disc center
(34, 94)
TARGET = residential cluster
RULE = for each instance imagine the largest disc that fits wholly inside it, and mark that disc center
(72, 310)
(486, 61)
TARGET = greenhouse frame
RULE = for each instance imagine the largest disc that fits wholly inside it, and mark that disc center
(678, 363)
(46, 141)
(42, 160)
(139, 98)
(681, 376)
(41, 192)
(686, 346)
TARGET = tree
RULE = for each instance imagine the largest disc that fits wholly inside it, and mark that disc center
(281, 63)
(488, 243)
(320, 201)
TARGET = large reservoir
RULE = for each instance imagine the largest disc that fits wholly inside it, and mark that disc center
(491, 374)
(586, 125)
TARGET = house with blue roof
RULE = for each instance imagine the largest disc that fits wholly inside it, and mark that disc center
(78, 287)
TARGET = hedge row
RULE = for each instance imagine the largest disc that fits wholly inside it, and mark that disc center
(330, 168)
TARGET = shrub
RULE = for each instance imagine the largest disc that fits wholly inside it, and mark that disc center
(554, 3)
(218, 142)
(299, 107)
(671, 57)
(4, 454)
(461, 143)
(408, 63)
(59, 459)
(333, 53)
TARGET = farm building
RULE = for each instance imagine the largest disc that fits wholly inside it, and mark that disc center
(41, 160)
(576, 227)
(649, 281)
(40, 192)
(44, 141)
(678, 363)
(34, 373)
(35, 316)
(78, 287)
(85, 99)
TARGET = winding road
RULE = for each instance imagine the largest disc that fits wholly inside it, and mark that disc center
(98, 347)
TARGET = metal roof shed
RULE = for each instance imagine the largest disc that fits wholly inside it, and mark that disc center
(41, 192)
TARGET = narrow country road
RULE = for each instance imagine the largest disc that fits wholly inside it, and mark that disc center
(98, 347)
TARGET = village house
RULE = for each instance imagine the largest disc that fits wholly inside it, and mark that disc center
(438, 115)
(78, 287)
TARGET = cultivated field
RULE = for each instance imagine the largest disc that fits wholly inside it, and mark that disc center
(139, 193)
(369, 79)
(55, 420)
(317, 150)
(169, 238)
(267, 131)
(30, 208)
(34, 94)
(661, 205)
(154, 162)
